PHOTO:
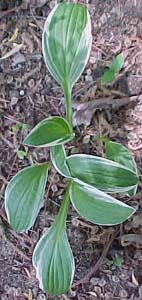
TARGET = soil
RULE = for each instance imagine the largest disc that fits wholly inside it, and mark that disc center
(107, 265)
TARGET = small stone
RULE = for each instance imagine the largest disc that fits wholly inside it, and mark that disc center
(88, 78)
(102, 282)
(9, 79)
(86, 139)
(95, 280)
(108, 296)
(97, 289)
(103, 19)
(14, 101)
(22, 93)
(132, 136)
(54, 188)
(115, 278)
(41, 297)
(92, 60)
(31, 83)
(89, 71)
(123, 294)
(18, 291)
(127, 42)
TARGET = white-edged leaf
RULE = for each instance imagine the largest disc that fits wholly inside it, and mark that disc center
(117, 152)
(104, 174)
(53, 258)
(66, 42)
(54, 262)
(98, 207)
(49, 132)
(24, 196)
(58, 157)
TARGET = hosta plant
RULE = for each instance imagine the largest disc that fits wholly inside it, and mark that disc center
(66, 44)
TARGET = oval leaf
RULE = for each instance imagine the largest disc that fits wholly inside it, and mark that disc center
(54, 262)
(108, 76)
(117, 152)
(24, 195)
(66, 42)
(101, 173)
(49, 132)
(97, 207)
(58, 157)
(117, 63)
(52, 257)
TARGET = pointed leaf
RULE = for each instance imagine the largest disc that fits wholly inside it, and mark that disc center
(54, 262)
(101, 173)
(58, 157)
(49, 132)
(117, 152)
(66, 42)
(24, 196)
(53, 258)
(98, 207)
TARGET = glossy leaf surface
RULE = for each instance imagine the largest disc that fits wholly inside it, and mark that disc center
(98, 207)
(49, 132)
(117, 152)
(66, 42)
(101, 173)
(58, 157)
(24, 196)
(53, 258)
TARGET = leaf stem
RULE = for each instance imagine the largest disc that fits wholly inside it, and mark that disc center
(67, 94)
(62, 214)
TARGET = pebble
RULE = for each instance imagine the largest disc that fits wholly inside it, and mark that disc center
(22, 93)
(86, 139)
(31, 83)
(54, 188)
(103, 19)
(88, 78)
(123, 294)
(132, 136)
(14, 101)
(115, 278)
(97, 289)
(92, 60)
(95, 280)
(41, 297)
(102, 282)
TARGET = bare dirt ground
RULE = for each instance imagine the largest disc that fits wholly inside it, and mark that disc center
(108, 263)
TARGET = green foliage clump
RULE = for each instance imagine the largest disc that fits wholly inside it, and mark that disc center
(66, 45)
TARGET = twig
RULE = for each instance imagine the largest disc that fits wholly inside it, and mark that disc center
(5, 13)
(98, 263)
(100, 103)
